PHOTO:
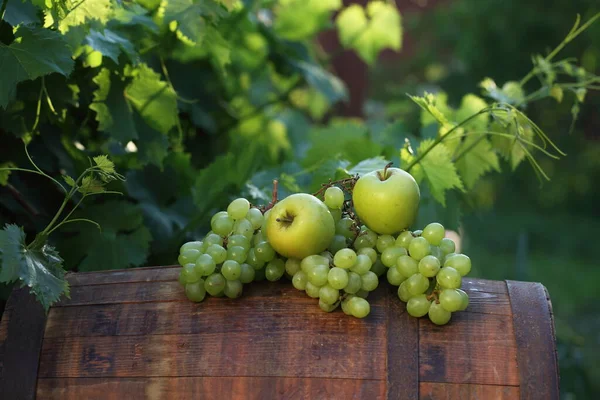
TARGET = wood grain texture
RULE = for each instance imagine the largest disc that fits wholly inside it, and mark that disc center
(535, 340)
(146, 274)
(472, 348)
(402, 354)
(454, 391)
(207, 388)
(21, 346)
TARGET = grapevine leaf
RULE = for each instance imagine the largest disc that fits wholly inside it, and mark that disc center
(328, 84)
(511, 92)
(89, 184)
(300, 19)
(70, 181)
(190, 16)
(113, 113)
(382, 29)
(470, 105)
(39, 268)
(511, 149)
(479, 159)
(5, 173)
(368, 165)
(111, 45)
(154, 99)
(105, 164)
(123, 242)
(134, 14)
(436, 168)
(77, 12)
(435, 109)
(329, 169)
(152, 145)
(21, 13)
(35, 52)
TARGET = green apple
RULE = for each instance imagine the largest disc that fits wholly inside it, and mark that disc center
(386, 200)
(300, 225)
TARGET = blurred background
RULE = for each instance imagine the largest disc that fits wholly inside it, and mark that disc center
(258, 102)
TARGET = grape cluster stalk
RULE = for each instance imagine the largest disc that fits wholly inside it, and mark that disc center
(423, 264)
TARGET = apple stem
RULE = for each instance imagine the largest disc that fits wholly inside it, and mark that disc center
(285, 219)
(384, 176)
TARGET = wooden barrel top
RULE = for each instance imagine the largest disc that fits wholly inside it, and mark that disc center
(133, 334)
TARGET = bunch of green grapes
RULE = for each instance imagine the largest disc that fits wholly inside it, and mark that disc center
(235, 252)
(428, 272)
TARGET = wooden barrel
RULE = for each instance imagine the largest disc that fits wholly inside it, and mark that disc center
(133, 335)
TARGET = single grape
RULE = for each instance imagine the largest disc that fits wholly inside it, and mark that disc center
(253, 260)
(275, 269)
(299, 280)
(233, 289)
(190, 273)
(238, 208)
(434, 233)
(312, 261)
(465, 299)
(231, 270)
(337, 243)
(264, 252)
(362, 293)
(255, 217)
(213, 238)
(243, 227)
(407, 266)
(344, 228)
(238, 240)
(327, 307)
(237, 253)
(222, 225)
(451, 300)
(334, 197)
(205, 264)
(368, 251)
(328, 294)
(364, 242)
(188, 256)
(418, 248)
(378, 268)
(218, 253)
(312, 290)
(337, 278)
(403, 293)
(354, 283)
(384, 241)
(459, 262)
(429, 266)
(214, 284)
(438, 315)
(362, 265)
(218, 215)
(448, 256)
(447, 246)
(370, 281)
(404, 239)
(344, 303)
(359, 307)
(247, 274)
(195, 291)
(292, 266)
(191, 245)
(345, 258)
(182, 278)
(318, 275)
(336, 213)
(418, 306)
(417, 284)
(391, 255)
(449, 278)
(437, 253)
(394, 277)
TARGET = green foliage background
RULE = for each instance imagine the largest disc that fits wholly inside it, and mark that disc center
(197, 102)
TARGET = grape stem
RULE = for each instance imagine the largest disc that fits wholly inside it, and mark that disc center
(274, 196)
